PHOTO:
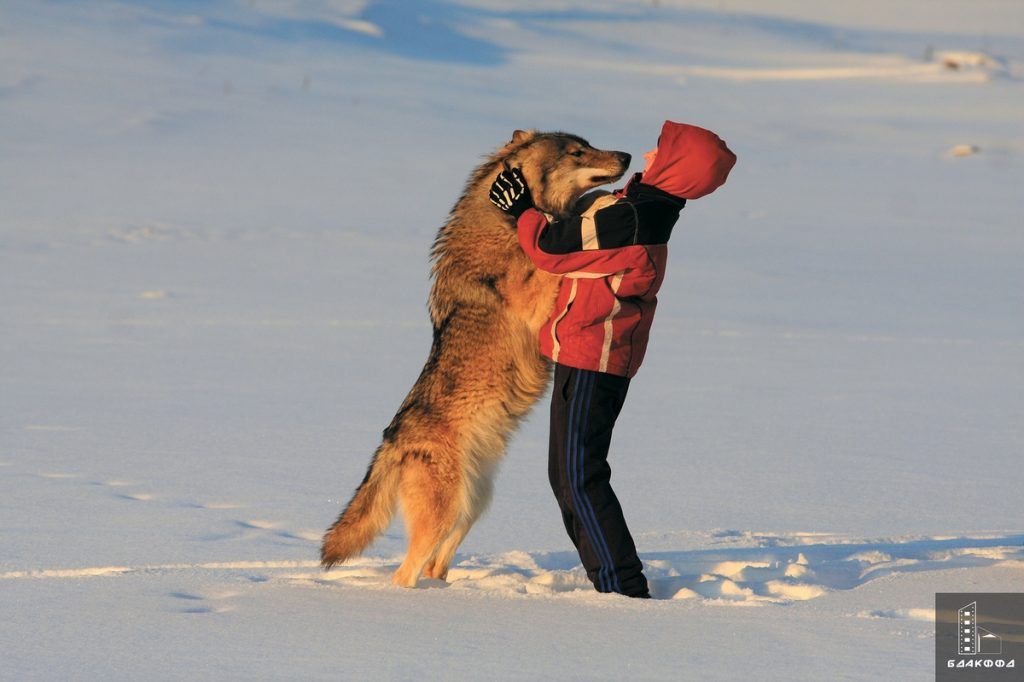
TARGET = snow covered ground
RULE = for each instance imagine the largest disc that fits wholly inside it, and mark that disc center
(214, 225)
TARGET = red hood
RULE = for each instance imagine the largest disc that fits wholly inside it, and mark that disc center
(691, 161)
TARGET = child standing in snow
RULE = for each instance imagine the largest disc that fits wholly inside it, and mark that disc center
(613, 260)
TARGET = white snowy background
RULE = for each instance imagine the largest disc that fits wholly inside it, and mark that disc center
(214, 227)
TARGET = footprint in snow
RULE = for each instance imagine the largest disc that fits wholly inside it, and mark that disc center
(212, 505)
(136, 497)
(259, 524)
(209, 602)
(58, 474)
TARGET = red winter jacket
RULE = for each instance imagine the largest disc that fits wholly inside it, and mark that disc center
(613, 255)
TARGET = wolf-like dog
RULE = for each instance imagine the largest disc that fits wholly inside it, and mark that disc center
(484, 372)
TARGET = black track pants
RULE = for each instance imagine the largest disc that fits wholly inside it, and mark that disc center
(584, 406)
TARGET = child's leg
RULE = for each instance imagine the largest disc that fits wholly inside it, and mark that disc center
(584, 406)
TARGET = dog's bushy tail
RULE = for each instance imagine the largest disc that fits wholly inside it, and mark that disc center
(368, 513)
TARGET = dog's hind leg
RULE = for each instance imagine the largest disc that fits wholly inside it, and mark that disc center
(430, 496)
(479, 498)
(437, 567)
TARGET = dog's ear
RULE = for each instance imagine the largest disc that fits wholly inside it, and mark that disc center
(520, 136)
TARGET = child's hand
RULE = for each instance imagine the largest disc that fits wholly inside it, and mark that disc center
(510, 193)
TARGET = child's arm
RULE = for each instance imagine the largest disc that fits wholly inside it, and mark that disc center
(597, 243)
(601, 241)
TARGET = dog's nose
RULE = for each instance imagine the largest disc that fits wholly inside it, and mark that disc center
(625, 159)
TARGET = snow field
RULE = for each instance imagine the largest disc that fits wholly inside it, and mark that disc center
(214, 227)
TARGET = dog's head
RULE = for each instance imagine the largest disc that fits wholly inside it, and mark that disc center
(559, 167)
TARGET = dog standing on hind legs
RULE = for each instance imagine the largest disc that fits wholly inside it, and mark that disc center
(487, 304)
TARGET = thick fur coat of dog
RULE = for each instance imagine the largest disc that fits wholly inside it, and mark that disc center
(484, 373)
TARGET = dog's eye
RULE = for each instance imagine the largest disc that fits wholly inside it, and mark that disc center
(577, 153)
